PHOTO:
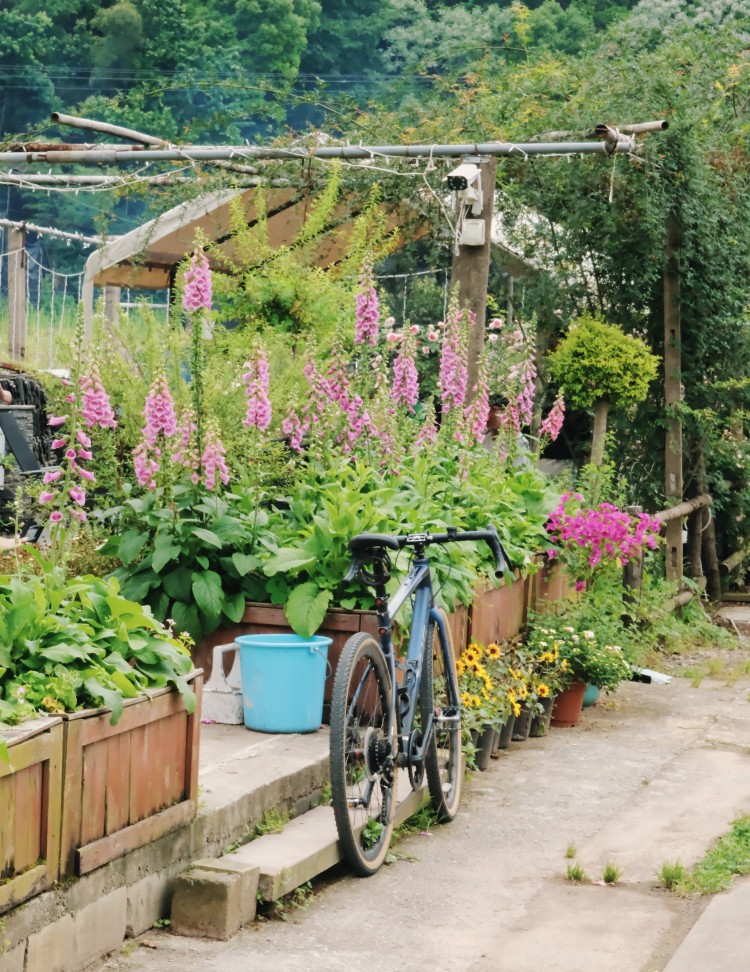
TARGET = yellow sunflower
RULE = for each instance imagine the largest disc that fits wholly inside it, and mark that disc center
(465, 699)
(542, 691)
(493, 650)
(547, 657)
(516, 708)
(460, 667)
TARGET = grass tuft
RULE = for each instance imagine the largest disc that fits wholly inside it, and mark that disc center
(570, 850)
(670, 874)
(576, 874)
(611, 873)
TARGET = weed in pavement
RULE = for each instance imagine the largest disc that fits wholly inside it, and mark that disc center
(611, 873)
(576, 874)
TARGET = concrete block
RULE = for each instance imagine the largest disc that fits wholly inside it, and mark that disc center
(30, 917)
(13, 959)
(53, 949)
(100, 927)
(207, 904)
(148, 901)
(249, 875)
(90, 888)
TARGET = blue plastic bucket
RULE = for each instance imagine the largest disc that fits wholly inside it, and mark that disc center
(283, 681)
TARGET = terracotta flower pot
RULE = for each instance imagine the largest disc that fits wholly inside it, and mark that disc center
(568, 706)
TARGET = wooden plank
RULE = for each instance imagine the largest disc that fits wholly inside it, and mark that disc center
(140, 773)
(23, 886)
(93, 795)
(117, 813)
(70, 837)
(136, 835)
(25, 752)
(192, 743)
(21, 838)
(160, 768)
(179, 755)
(144, 711)
(52, 801)
(7, 826)
(36, 848)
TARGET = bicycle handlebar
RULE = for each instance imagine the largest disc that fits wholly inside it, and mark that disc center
(363, 542)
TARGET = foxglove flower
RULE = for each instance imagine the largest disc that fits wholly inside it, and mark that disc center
(96, 408)
(405, 377)
(368, 310)
(256, 380)
(553, 422)
(197, 292)
(213, 459)
(453, 363)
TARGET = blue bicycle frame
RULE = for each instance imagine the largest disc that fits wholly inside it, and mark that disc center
(418, 583)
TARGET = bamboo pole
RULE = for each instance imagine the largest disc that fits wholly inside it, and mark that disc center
(234, 153)
(684, 509)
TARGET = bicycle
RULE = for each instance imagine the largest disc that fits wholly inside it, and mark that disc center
(378, 734)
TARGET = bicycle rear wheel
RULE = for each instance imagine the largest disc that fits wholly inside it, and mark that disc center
(362, 754)
(443, 760)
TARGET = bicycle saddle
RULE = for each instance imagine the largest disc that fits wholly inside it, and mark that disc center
(363, 541)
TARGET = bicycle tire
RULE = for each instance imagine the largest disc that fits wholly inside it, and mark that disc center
(363, 737)
(443, 756)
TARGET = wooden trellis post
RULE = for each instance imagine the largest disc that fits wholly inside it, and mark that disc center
(673, 484)
(17, 270)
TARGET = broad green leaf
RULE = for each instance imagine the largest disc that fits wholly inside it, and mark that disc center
(136, 587)
(178, 583)
(208, 593)
(111, 698)
(288, 559)
(234, 606)
(186, 618)
(208, 536)
(245, 563)
(69, 653)
(165, 549)
(130, 545)
(306, 608)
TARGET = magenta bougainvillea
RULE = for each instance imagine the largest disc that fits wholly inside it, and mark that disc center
(603, 533)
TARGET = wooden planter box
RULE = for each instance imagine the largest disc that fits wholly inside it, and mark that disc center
(551, 583)
(128, 784)
(337, 625)
(499, 613)
(30, 808)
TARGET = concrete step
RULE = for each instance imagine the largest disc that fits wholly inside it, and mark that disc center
(214, 898)
(309, 845)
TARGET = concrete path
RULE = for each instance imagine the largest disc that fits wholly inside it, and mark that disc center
(657, 773)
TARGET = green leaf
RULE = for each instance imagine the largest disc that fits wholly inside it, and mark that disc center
(208, 536)
(186, 618)
(234, 607)
(69, 653)
(111, 698)
(245, 563)
(130, 545)
(136, 587)
(306, 608)
(178, 583)
(208, 593)
(165, 549)
(288, 559)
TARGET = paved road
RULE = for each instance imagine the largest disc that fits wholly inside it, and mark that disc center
(654, 774)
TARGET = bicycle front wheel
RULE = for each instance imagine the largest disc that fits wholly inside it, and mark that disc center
(443, 761)
(362, 754)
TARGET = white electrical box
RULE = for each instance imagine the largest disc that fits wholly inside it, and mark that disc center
(472, 232)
